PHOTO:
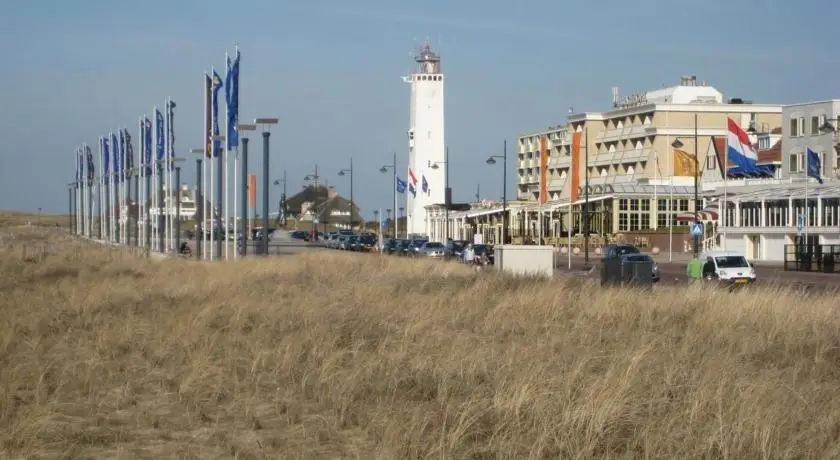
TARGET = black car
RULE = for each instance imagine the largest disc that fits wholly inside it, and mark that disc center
(455, 248)
(404, 247)
(352, 243)
(638, 257)
(300, 235)
(367, 243)
(484, 250)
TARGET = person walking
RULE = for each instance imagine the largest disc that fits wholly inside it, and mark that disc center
(468, 254)
(694, 270)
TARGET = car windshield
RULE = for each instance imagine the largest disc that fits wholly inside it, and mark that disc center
(624, 250)
(367, 240)
(480, 248)
(458, 244)
(434, 246)
(731, 262)
(353, 238)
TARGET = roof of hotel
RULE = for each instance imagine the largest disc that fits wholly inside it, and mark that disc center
(771, 192)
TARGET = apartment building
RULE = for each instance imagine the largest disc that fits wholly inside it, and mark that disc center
(811, 125)
(632, 143)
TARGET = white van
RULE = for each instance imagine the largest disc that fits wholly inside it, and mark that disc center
(731, 266)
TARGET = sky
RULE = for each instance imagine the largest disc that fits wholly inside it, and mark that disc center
(330, 71)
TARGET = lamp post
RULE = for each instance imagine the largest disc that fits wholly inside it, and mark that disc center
(447, 194)
(378, 224)
(199, 195)
(281, 209)
(677, 144)
(393, 168)
(266, 125)
(244, 128)
(221, 234)
(349, 172)
(491, 160)
(315, 177)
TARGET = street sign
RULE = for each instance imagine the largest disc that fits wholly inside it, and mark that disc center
(697, 229)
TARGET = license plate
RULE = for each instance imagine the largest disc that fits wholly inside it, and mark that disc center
(741, 281)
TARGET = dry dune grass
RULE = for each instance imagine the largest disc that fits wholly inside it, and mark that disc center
(340, 356)
(13, 218)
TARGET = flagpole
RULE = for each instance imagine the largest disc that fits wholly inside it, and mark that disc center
(208, 154)
(807, 210)
(226, 161)
(89, 192)
(724, 217)
(99, 190)
(167, 181)
(123, 216)
(174, 192)
(112, 192)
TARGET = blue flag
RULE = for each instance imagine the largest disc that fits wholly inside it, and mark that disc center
(106, 159)
(91, 170)
(232, 99)
(78, 167)
(115, 153)
(122, 170)
(170, 132)
(813, 169)
(147, 145)
(217, 85)
(401, 185)
(129, 153)
(159, 138)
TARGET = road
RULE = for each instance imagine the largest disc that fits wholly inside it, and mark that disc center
(673, 273)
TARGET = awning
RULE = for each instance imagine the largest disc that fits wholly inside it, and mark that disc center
(705, 215)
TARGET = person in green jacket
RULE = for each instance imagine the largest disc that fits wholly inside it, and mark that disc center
(694, 270)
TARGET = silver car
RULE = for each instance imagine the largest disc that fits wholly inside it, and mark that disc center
(430, 249)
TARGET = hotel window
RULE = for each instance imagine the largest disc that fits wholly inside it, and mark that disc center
(630, 218)
(794, 127)
(793, 164)
(815, 126)
(802, 126)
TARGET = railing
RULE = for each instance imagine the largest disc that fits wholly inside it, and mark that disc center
(823, 258)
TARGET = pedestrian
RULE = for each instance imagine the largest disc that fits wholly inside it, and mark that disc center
(468, 254)
(694, 270)
(709, 269)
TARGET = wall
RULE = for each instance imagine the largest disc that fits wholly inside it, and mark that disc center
(821, 144)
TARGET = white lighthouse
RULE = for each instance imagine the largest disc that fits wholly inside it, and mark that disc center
(426, 147)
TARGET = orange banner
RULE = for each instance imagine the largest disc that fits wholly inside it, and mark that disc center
(543, 170)
(574, 171)
(684, 163)
(252, 190)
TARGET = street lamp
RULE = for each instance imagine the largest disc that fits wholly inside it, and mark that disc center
(677, 144)
(246, 221)
(220, 221)
(447, 197)
(393, 168)
(266, 126)
(282, 207)
(349, 172)
(491, 160)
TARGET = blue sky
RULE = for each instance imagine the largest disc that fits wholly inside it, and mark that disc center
(329, 69)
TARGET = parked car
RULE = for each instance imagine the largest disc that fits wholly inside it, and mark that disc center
(485, 250)
(455, 248)
(343, 243)
(367, 243)
(405, 247)
(615, 251)
(639, 257)
(352, 243)
(430, 249)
